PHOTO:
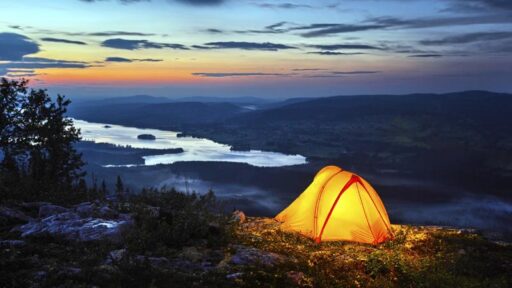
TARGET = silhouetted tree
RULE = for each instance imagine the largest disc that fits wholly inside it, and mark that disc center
(36, 140)
(119, 188)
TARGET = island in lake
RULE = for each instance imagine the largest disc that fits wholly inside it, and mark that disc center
(146, 137)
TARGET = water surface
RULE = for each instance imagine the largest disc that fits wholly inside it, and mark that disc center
(195, 149)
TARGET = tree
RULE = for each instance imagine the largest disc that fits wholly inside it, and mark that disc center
(119, 188)
(36, 139)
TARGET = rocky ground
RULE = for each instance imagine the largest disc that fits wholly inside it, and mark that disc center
(100, 244)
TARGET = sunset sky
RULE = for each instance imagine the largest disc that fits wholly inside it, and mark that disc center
(263, 48)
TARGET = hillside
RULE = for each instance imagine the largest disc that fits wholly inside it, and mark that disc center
(151, 242)
(159, 115)
(458, 139)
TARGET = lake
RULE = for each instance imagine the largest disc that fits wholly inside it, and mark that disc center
(195, 149)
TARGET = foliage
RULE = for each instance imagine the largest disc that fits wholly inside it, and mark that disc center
(166, 219)
(38, 159)
(417, 257)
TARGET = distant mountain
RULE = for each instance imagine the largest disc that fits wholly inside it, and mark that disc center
(481, 108)
(462, 139)
(160, 115)
(234, 100)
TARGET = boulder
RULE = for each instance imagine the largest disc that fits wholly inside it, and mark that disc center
(72, 226)
(50, 209)
(249, 255)
(13, 216)
(12, 243)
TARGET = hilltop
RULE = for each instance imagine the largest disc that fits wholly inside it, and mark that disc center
(175, 240)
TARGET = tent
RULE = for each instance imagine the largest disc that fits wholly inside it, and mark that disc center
(338, 205)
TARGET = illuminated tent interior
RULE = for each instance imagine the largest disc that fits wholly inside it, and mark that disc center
(338, 205)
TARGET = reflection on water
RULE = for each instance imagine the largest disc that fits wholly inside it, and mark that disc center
(195, 149)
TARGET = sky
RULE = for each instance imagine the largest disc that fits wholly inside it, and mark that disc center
(267, 48)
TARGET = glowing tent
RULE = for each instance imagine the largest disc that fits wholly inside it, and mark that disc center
(338, 205)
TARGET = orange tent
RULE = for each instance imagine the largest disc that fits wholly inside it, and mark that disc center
(338, 205)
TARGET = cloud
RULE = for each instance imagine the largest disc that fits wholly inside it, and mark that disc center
(58, 40)
(378, 23)
(29, 64)
(118, 43)
(439, 21)
(308, 69)
(353, 72)
(265, 46)
(214, 31)
(188, 2)
(426, 56)
(328, 29)
(122, 1)
(283, 5)
(346, 47)
(333, 53)
(128, 60)
(113, 33)
(14, 46)
(201, 2)
(237, 74)
(469, 38)
(479, 5)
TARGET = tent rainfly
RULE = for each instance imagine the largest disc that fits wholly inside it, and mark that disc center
(338, 205)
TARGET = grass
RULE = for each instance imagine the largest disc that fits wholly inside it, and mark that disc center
(417, 257)
(187, 231)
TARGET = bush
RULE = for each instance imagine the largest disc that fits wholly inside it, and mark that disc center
(167, 219)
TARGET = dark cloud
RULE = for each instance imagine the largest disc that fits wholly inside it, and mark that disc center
(479, 5)
(59, 40)
(265, 46)
(308, 69)
(353, 72)
(113, 33)
(118, 43)
(122, 1)
(469, 38)
(201, 2)
(394, 22)
(346, 47)
(334, 53)
(426, 56)
(214, 31)
(329, 29)
(128, 60)
(14, 46)
(188, 2)
(283, 5)
(28, 64)
(237, 74)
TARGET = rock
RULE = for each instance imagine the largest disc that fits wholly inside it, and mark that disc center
(192, 254)
(234, 275)
(158, 262)
(12, 243)
(297, 278)
(73, 227)
(249, 255)
(107, 212)
(146, 137)
(50, 209)
(238, 216)
(69, 271)
(116, 255)
(85, 209)
(13, 216)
